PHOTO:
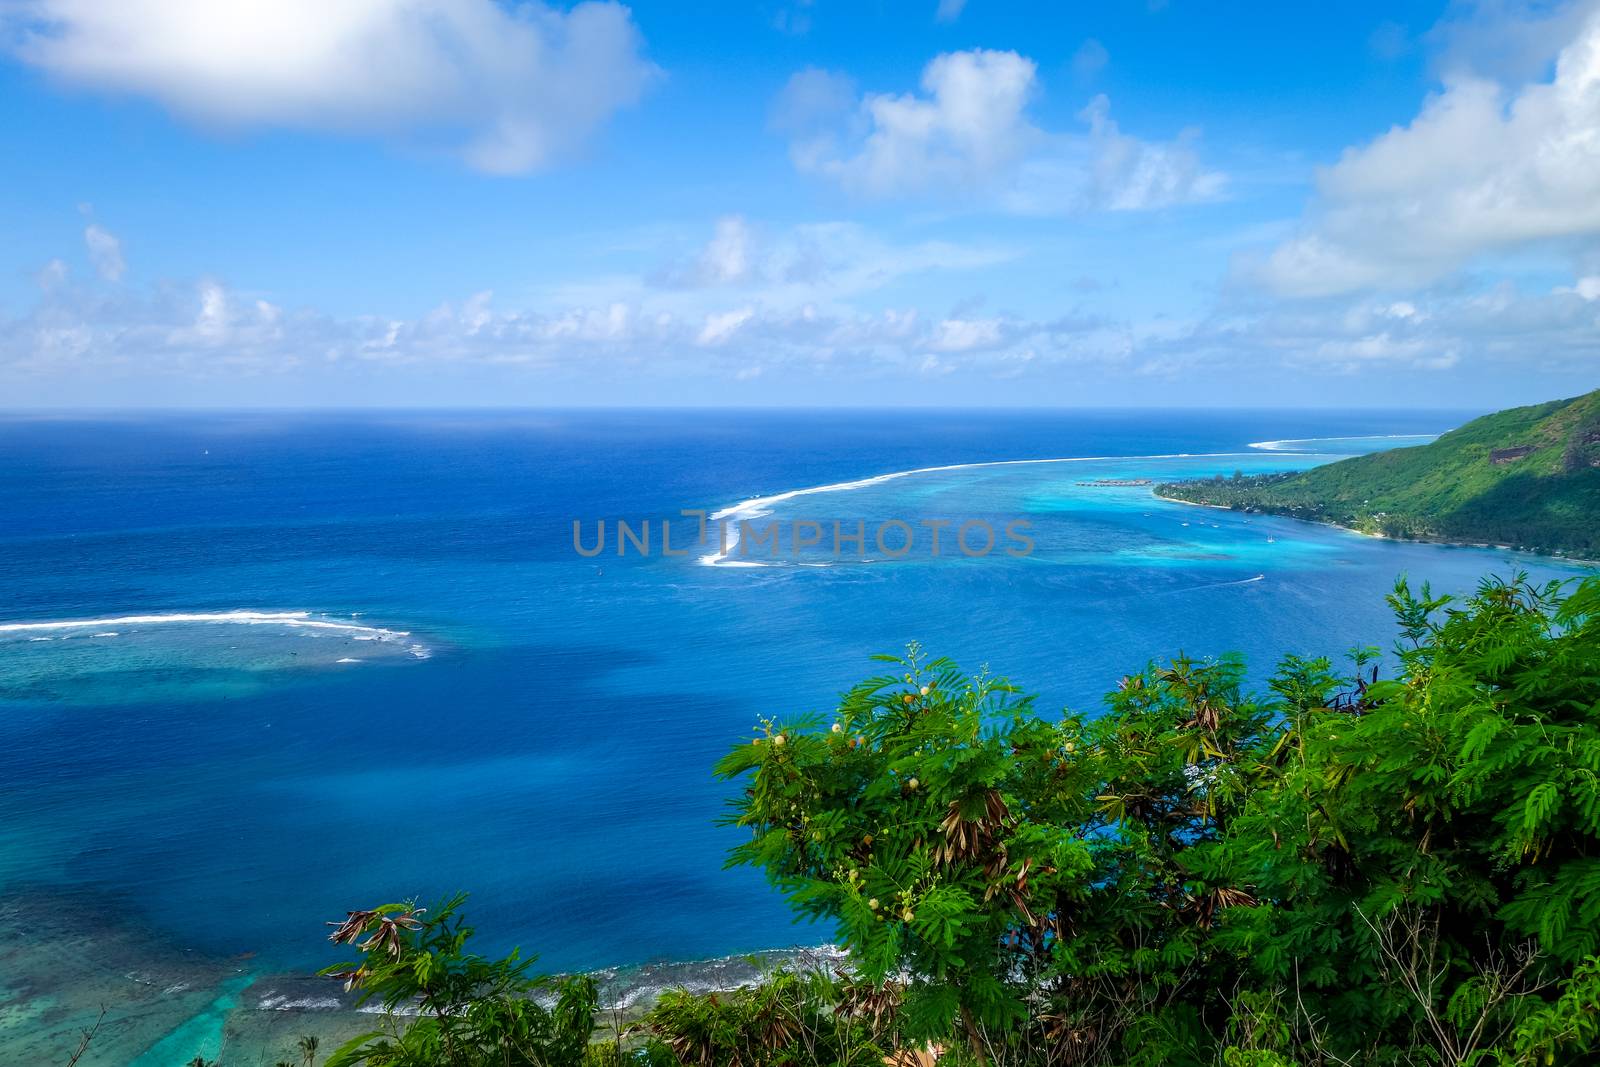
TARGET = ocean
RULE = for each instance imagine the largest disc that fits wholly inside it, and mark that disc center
(316, 662)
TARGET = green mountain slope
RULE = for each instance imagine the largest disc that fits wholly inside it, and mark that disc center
(1528, 477)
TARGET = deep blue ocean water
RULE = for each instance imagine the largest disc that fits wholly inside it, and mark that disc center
(543, 734)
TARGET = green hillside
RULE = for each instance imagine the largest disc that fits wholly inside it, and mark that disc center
(1527, 477)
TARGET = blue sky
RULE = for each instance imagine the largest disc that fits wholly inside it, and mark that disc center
(461, 202)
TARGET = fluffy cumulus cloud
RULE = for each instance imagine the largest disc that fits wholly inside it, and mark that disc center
(1482, 169)
(968, 131)
(966, 127)
(1127, 174)
(510, 87)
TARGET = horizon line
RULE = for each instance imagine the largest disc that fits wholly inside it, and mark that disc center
(231, 409)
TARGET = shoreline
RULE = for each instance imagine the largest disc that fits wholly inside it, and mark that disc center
(66, 954)
(1546, 553)
(273, 1011)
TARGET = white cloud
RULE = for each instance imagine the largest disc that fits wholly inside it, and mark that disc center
(727, 257)
(967, 128)
(208, 333)
(787, 305)
(211, 322)
(1498, 333)
(968, 133)
(1588, 288)
(949, 10)
(720, 328)
(1128, 174)
(966, 335)
(1479, 170)
(821, 262)
(105, 252)
(1504, 40)
(513, 88)
(1385, 347)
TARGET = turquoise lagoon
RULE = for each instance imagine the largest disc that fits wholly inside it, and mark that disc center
(320, 662)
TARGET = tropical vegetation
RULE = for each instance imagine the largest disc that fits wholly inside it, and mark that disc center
(1389, 859)
(446, 1006)
(1527, 477)
(1341, 869)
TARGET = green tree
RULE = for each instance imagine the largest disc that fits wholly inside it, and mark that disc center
(916, 823)
(1346, 869)
(794, 1016)
(470, 1011)
(1427, 861)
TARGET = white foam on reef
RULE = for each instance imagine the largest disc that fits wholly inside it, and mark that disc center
(302, 621)
(1292, 444)
(299, 619)
(284, 1002)
(630, 987)
(760, 507)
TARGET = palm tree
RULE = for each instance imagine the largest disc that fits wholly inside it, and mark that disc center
(308, 1050)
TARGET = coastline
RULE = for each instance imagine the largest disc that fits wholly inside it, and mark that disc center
(66, 955)
(1441, 542)
(273, 1011)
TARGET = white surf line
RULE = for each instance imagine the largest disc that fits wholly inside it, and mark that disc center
(1283, 446)
(761, 506)
(251, 618)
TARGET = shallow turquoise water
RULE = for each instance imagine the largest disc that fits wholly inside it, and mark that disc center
(231, 785)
